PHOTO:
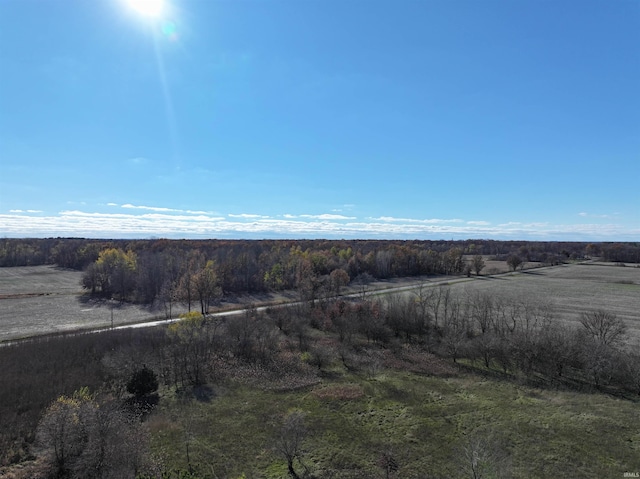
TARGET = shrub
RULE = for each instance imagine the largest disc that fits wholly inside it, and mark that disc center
(142, 382)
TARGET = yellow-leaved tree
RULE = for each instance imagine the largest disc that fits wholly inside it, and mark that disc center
(114, 272)
(205, 283)
(85, 438)
(193, 348)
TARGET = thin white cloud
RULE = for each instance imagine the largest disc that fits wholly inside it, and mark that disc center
(510, 223)
(169, 224)
(413, 220)
(328, 217)
(536, 225)
(161, 209)
(145, 216)
(149, 208)
(25, 211)
(196, 212)
(247, 216)
(478, 223)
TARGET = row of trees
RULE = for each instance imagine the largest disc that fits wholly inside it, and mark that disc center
(151, 278)
(78, 253)
(169, 276)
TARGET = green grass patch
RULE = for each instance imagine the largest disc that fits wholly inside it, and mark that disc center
(424, 421)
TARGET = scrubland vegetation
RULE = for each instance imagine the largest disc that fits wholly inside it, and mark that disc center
(461, 380)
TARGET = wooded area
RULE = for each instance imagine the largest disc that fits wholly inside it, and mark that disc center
(201, 272)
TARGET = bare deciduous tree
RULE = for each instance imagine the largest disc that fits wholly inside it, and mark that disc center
(629, 374)
(289, 441)
(168, 295)
(604, 327)
(514, 261)
(478, 264)
(600, 362)
(362, 281)
(388, 463)
(482, 458)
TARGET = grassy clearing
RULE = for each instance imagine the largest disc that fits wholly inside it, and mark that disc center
(424, 421)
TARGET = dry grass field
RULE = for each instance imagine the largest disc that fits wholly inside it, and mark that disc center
(36, 300)
(571, 289)
(38, 280)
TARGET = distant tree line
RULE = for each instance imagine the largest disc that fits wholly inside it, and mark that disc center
(78, 253)
(200, 272)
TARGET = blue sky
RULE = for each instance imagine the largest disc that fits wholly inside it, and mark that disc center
(321, 119)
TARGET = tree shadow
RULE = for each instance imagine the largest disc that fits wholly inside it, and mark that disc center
(572, 383)
(201, 393)
(88, 300)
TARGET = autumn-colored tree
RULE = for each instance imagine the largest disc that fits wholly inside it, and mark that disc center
(84, 438)
(274, 278)
(206, 286)
(193, 348)
(113, 273)
(338, 278)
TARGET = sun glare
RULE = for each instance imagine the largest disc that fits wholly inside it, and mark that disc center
(148, 8)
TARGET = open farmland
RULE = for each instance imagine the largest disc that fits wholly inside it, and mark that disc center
(37, 300)
(571, 289)
(38, 280)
